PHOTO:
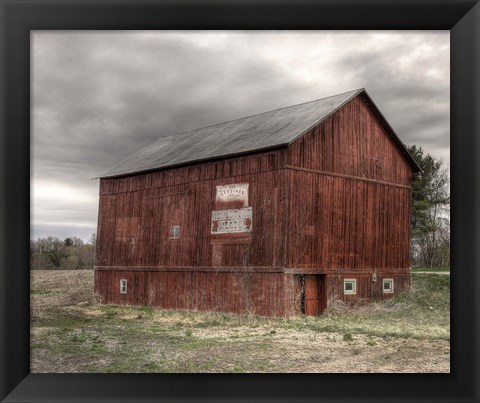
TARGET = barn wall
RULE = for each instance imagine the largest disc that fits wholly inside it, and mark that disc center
(136, 213)
(339, 224)
(349, 196)
(313, 293)
(262, 294)
(367, 290)
(351, 142)
(210, 170)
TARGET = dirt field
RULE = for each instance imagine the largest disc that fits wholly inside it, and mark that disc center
(69, 333)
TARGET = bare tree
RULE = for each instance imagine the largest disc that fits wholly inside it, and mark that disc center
(93, 239)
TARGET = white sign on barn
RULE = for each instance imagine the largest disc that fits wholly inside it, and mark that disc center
(234, 192)
(232, 220)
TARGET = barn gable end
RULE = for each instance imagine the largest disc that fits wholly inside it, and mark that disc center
(352, 141)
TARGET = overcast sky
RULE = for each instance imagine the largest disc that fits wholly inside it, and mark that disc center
(98, 97)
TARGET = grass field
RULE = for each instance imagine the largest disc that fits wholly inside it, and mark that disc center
(430, 269)
(69, 333)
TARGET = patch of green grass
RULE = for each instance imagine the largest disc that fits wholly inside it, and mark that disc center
(208, 364)
(193, 344)
(261, 367)
(110, 314)
(430, 269)
(78, 338)
(63, 319)
(113, 311)
(237, 369)
(39, 345)
(209, 323)
(152, 366)
(158, 329)
(145, 310)
(78, 343)
(347, 337)
(80, 349)
(40, 292)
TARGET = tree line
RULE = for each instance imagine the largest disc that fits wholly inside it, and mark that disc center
(68, 254)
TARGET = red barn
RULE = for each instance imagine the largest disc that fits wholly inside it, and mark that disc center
(276, 214)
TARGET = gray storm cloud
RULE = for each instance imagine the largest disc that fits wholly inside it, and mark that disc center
(98, 97)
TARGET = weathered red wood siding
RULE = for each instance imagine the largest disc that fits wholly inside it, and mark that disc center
(349, 205)
(342, 224)
(367, 290)
(235, 272)
(136, 213)
(349, 196)
(266, 294)
(351, 141)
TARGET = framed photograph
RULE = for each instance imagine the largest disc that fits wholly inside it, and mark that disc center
(50, 80)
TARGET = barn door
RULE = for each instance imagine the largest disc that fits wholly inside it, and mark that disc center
(314, 294)
(311, 295)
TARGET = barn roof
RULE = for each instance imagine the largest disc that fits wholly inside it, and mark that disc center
(267, 130)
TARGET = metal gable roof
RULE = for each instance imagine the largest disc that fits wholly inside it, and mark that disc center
(258, 132)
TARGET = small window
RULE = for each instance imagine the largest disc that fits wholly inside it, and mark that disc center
(175, 232)
(349, 286)
(387, 285)
(123, 286)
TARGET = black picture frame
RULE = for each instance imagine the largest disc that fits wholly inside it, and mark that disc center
(18, 17)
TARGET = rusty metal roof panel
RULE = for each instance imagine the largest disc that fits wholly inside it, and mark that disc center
(266, 130)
